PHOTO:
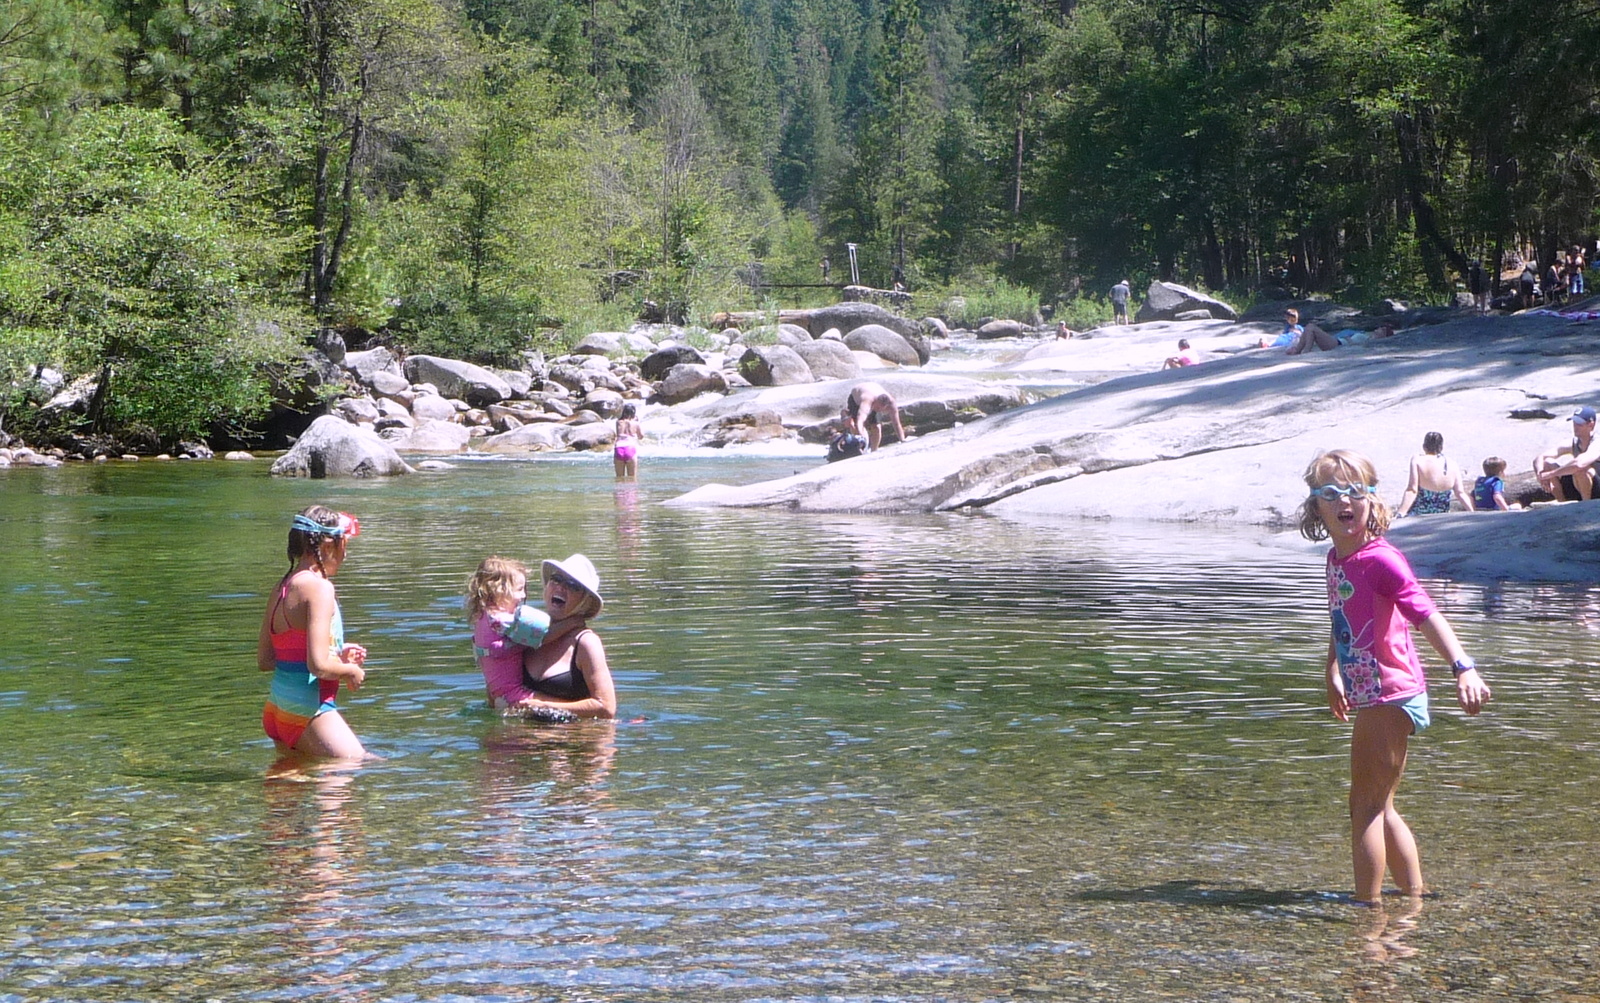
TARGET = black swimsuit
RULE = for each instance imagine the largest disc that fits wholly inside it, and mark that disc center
(568, 684)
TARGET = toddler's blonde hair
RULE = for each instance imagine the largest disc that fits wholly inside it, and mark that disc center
(492, 583)
(1352, 468)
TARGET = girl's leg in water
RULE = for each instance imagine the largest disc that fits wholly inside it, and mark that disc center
(330, 736)
(1378, 835)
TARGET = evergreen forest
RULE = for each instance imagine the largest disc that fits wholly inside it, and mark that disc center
(190, 188)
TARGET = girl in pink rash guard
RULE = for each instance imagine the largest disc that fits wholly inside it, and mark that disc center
(496, 590)
(1372, 666)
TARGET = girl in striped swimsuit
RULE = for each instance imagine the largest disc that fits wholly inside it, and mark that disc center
(302, 643)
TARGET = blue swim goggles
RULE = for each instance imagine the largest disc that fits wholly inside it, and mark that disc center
(1333, 492)
(348, 525)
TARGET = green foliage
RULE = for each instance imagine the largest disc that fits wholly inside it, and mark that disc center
(1082, 313)
(966, 305)
(133, 261)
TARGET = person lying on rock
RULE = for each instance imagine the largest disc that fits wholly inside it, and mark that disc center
(1314, 337)
(868, 405)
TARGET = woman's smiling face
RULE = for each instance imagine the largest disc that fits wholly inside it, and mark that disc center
(561, 594)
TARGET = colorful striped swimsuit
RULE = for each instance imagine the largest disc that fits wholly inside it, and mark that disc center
(297, 696)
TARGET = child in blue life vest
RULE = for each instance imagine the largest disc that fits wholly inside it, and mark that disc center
(1489, 493)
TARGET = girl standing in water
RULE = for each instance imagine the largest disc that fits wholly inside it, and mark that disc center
(1372, 668)
(625, 454)
(302, 642)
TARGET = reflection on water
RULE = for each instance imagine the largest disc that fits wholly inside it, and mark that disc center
(859, 758)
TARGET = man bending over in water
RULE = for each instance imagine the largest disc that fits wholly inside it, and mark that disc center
(867, 405)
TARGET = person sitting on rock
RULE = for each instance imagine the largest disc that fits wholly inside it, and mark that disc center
(868, 405)
(1186, 356)
(1567, 470)
(1289, 335)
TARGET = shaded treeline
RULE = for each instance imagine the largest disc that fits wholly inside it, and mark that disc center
(477, 177)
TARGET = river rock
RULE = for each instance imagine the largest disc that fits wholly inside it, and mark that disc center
(238, 454)
(434, 437)
(599, 343)
(602, 401)
(389, 384)
(454, 378)
(638, 342)
(538, 438)
(391, 408)
(386, 425)
(686, 382)
(1165, 300)
(432, 407)
(361, 410)
(757, 425)
(657, 363)
(330, 343)
(1002, 328)
(849, 316)
(332, 447)
(773, 366)
(588, 436)
(792, 335)
(519, 382)
(829, 359)
(883, 343)
(365, 365)
(936, 327)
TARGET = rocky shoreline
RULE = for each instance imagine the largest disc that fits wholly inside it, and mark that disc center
(1224, 442)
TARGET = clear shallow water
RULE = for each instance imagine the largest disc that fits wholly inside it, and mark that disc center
(941, 758)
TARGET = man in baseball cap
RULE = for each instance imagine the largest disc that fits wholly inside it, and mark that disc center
(1567, 470)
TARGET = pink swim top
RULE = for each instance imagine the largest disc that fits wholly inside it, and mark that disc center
(1373, 598)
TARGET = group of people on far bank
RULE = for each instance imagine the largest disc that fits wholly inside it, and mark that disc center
(1568, 470)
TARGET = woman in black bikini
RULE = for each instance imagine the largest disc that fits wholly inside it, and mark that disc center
(569, 668)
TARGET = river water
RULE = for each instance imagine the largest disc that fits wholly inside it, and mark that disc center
(859, 758)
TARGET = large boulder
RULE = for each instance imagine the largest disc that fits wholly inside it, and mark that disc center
(454, 378)
(774, 366)
(849, 316)
(434, 437)
(369, 363)
(829, 359)
(686, 382)
(332, 447)
(657, 363)
(594, 435)
(883, 343)
(1165, 300)
(527, 439)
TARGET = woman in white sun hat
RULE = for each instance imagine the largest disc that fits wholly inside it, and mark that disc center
(568, 670)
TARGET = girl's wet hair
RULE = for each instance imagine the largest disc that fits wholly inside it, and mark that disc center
(1352, 468)
(1433, 443)
(493, 582)
(628, 411)
(303, 542)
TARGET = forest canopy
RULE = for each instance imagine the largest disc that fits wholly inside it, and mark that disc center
(189, 186)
